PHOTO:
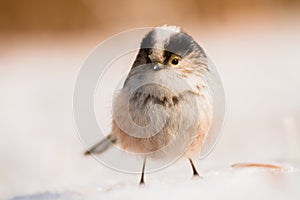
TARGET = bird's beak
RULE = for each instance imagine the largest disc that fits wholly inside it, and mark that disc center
(158, 67)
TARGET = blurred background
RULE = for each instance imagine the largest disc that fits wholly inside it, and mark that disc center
(110, 16)
(255, 45)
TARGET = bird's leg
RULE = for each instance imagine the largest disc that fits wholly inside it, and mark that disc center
(195, 173)
(142, 181)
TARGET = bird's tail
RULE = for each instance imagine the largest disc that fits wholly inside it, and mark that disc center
(102, 146)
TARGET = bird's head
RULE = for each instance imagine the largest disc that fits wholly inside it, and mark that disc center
(169, 48)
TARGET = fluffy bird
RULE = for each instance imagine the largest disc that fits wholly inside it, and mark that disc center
(164, 108)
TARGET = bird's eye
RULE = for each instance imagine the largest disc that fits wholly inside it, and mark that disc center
(174, 60)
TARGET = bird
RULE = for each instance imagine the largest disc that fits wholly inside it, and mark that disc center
(164, 108)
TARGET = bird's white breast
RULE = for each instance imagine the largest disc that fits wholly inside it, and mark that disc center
(169, 120)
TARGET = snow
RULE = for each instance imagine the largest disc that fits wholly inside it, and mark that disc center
(227, 184)
(41, 154)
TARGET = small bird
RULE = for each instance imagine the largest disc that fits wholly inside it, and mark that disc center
(164, 108)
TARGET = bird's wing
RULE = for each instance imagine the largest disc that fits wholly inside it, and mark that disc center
(102, 146)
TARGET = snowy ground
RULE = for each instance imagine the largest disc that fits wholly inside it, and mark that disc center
(41, 155)
(228, 184)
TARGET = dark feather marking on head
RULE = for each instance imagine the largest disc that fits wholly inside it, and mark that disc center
(148, 41)
(180, 44)
(183, 44)
(145, 49)
(167, 55)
